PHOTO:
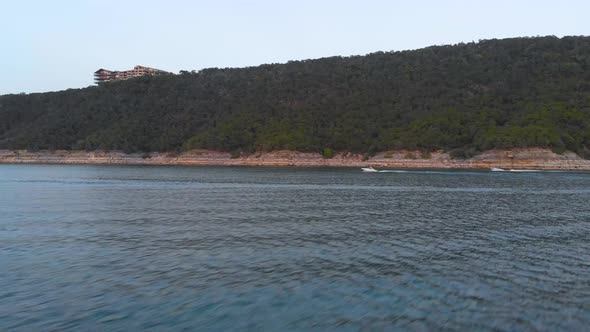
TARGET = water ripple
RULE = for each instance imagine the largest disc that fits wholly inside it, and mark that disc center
(164, 248)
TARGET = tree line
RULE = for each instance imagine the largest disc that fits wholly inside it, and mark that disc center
(464, 98)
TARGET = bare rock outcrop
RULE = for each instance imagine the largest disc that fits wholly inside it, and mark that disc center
(530, 158)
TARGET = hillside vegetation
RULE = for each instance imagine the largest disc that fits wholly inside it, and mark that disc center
(465, 98)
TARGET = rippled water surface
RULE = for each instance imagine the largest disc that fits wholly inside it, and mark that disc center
(219, 249)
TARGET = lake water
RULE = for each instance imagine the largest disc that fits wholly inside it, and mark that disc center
(221, 249)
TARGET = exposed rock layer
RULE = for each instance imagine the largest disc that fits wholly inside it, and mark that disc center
(532, 158)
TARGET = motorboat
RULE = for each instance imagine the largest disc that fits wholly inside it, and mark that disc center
(496, 169)
(369, 169)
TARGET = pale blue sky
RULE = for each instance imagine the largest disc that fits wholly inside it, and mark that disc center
(58, 44)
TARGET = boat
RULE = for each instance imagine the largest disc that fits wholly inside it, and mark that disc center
(495, 169)
(369, 169)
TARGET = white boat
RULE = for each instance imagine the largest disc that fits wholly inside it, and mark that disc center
(369, 169)
(496, 169)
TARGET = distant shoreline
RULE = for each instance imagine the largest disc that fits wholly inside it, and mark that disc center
(531, 158)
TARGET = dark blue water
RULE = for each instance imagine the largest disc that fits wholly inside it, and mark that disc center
(220, 249)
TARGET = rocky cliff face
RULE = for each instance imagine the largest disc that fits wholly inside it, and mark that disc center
(532, 158)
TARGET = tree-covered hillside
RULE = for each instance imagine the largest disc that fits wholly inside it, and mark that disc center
(463, 98)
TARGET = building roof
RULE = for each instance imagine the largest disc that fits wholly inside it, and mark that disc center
(134, 68)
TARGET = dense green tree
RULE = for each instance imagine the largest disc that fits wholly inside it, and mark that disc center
(464, 98)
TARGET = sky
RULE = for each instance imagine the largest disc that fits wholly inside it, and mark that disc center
(56, 45)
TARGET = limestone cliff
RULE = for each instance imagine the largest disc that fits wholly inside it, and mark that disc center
(531, 158)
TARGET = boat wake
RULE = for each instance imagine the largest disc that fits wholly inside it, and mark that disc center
(496, 169)
(413, 171)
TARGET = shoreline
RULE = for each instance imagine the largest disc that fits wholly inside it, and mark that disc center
(521, 158)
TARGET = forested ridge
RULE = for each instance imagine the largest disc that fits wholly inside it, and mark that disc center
(465, 98)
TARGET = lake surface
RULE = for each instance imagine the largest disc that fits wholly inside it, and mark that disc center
(114, 248)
